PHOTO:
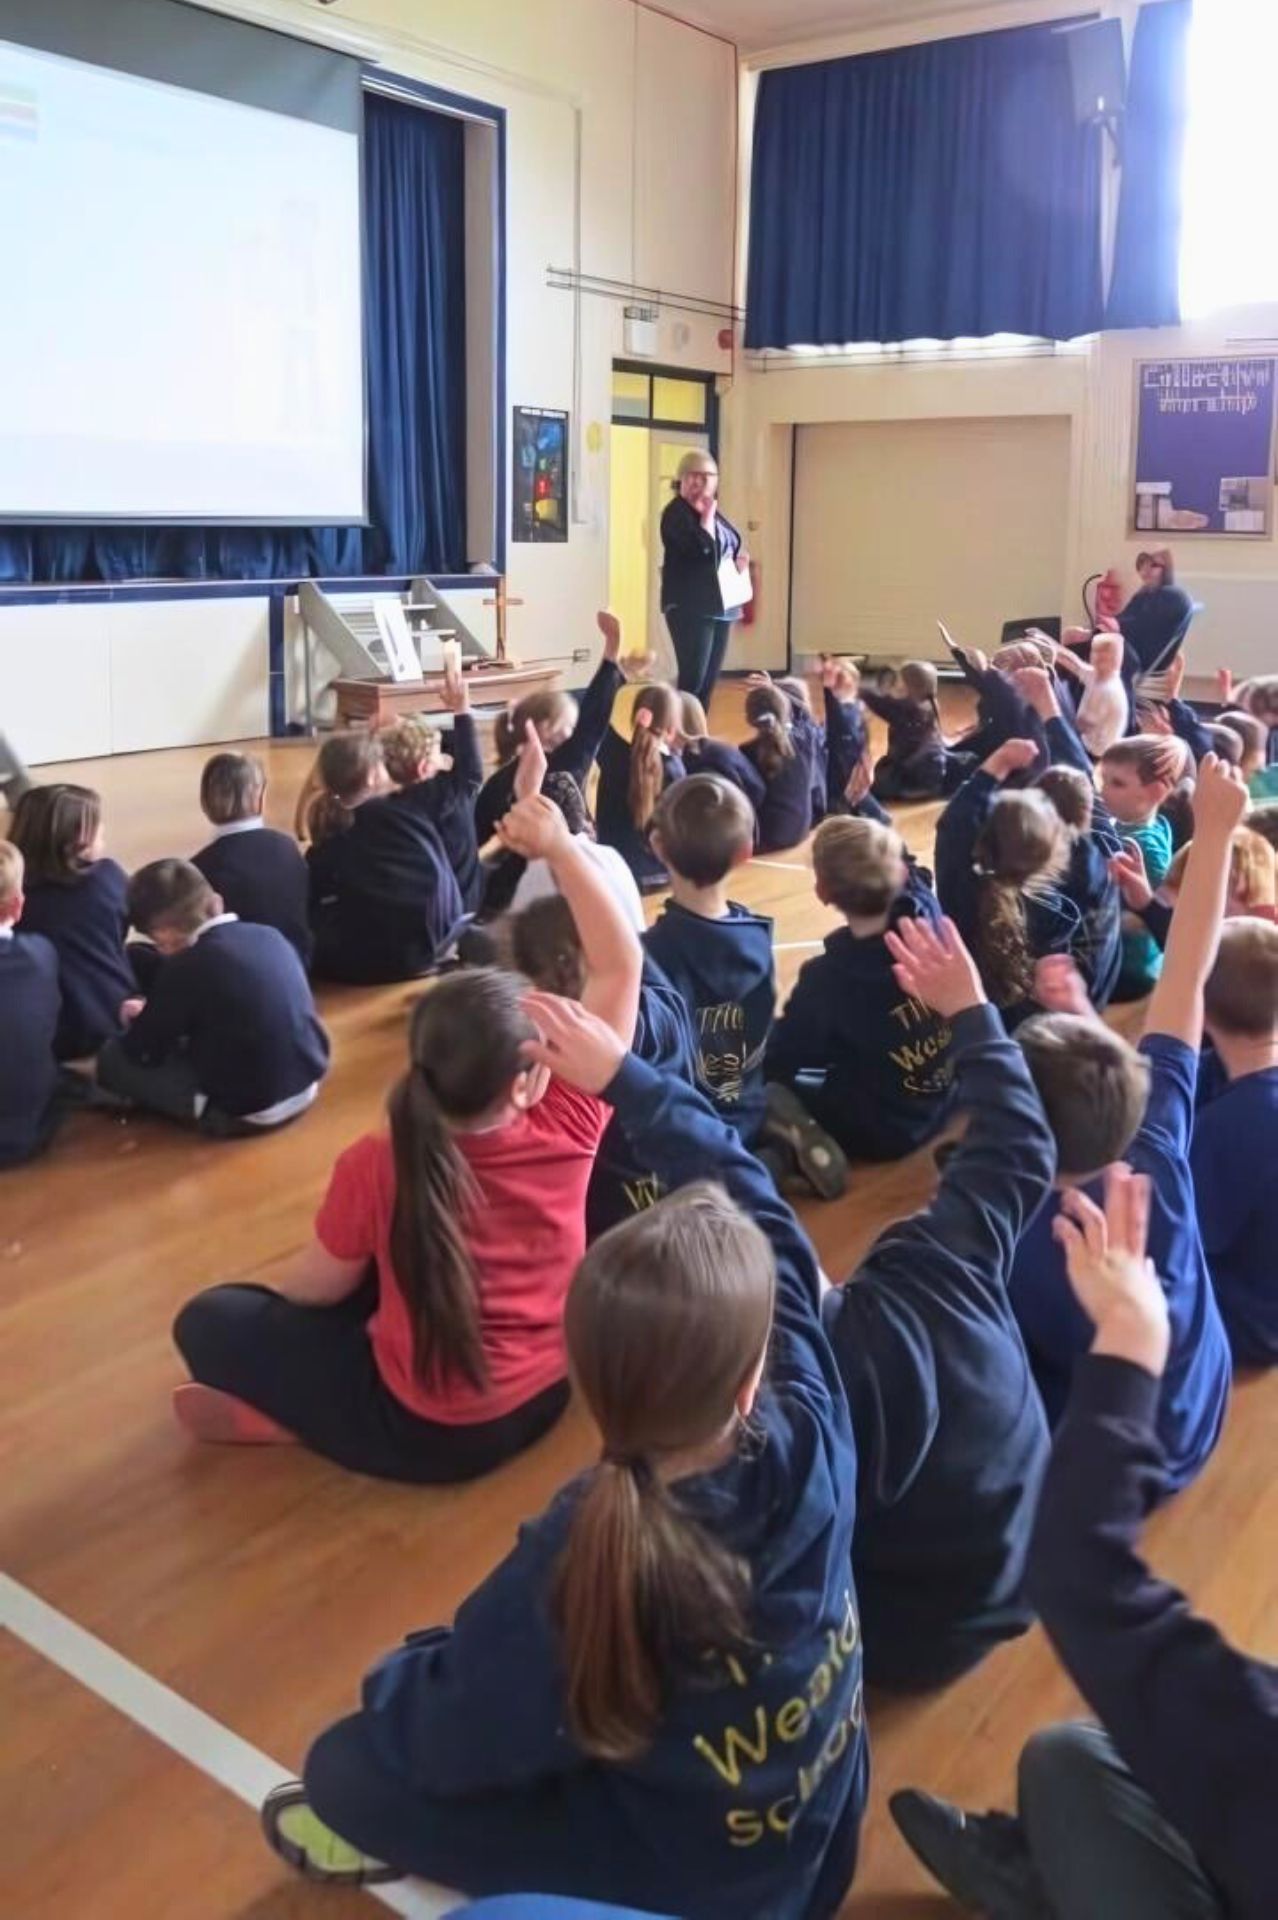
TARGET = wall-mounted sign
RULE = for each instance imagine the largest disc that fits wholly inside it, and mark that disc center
(539, 495)
(1205, 447)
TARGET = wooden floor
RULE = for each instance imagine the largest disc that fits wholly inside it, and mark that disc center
(258, 1586)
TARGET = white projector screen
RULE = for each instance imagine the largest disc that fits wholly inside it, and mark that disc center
(180, 325)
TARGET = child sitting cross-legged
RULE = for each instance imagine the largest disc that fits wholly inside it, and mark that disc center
(1136, 777)
(717, 955)
(851, 1053)
(419, 1335)
(917, 765)
(655, 1700)
(258, 873)
(443, 796)
(227, 1039)
(30, 1004)
(701, 753)
(786, 754)
(1104, 710)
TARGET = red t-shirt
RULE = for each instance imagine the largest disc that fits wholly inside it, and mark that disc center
(525, 1231)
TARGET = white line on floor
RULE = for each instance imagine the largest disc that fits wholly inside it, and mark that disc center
(793, 946)
(186, 1729)
(782, 866)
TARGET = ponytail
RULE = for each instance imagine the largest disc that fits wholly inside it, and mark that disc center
(647, 761)
(666, 1322)
(767, 710)
(466, 1046)
(640, 1588)
(345, 768)
(1022, 849)
(1003, 954)
(549, 710)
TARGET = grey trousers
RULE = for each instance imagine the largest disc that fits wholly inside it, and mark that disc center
(1098, 1842)
(170, 1088)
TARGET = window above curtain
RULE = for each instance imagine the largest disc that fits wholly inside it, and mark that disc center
(928, 192)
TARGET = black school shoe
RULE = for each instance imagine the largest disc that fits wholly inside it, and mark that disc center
(820, 1160)
(981, 1860)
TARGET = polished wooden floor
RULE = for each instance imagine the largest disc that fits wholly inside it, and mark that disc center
(259, 1585)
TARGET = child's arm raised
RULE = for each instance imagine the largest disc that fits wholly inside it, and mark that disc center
(1176, 1009)
(958, 826)
(577, 753)
(1066, 749)
(610, 947)
(467, 773)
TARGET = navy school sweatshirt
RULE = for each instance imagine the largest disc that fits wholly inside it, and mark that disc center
(787, 809)
(847, 742)
(721, 757)
(261, 876)
(238, 1004)
(621, 1185)
(576, 755)
(872, 1066)
(749, 1799)
(1053, 919)
(1234, 1154)
(447, 801)
(1097, 948)
(1195, 1386)
(1194, 1718)
(950, 1433)
(86, 920)
(383, 897)
(30, 1004)
(614, 823)
(725, 973)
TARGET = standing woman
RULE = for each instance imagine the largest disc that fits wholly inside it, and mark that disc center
(696, 539)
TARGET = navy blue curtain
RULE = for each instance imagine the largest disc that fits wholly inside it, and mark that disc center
(929, 192)
(415, 368)
(1145, 288)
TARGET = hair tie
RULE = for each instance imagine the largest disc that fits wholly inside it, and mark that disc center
(637, 1464)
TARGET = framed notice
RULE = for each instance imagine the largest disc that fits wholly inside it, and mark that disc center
(1205, 447)
(539, 495)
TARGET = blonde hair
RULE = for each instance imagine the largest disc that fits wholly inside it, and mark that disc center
(693, 724)
(1251, 871)
(1241, 995)
(647, 762)
(858, 865)
(405, 745)
(12, 867)
(696, 460)
(1156, 760)
(547, 709)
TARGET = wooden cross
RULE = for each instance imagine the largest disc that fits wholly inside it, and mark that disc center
(502, 602)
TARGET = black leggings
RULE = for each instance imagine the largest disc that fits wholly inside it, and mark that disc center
(312, 1369)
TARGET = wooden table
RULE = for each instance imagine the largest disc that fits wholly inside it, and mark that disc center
(372, 703)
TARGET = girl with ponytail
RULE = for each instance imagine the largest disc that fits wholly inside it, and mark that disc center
(633, 777)
(569, 732)
(785, 752)
(420, 1336)
(655, 1700)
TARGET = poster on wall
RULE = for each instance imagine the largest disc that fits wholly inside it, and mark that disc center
(539, 505)
(1205, 447)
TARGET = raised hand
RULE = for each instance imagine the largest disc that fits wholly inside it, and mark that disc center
(932, 965)
(1225, 686)
(534, 828)
(759, 679)
(455, 693)
(1034, 684)
(1220, 797)
(610, 627)
(530, 773)
(1113, 1281)
(1010, 758)
(572, 1043)
(1059, 987)
(1128, 868)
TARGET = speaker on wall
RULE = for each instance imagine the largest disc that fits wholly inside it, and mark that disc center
(1097, 69)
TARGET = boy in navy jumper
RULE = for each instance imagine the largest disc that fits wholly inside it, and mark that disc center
(707, 1774)
(871, 1066)
(446, 798)
(717, 955)
(1169, 1809)
(1235, 1147)
(1107, 1102)
(258, 873)
(951, 1438)
(30, 1004)
(228, 1039)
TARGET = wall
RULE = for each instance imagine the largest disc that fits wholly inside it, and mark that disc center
(620, 161)
(1088, 386)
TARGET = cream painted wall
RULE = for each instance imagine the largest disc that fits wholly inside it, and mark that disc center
(1090, 388)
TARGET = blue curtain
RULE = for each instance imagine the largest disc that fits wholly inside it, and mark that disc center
(928, 192)
(1145, 288)
(415, 366)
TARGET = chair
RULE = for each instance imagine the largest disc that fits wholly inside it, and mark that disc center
(1014, 630)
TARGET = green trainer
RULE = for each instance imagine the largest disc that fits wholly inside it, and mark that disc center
(298, 1835)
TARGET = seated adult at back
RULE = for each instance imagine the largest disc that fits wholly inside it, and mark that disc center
(1154, 616)
(29, 1007)
(227, 1039)
(258, 872)
(383, 896)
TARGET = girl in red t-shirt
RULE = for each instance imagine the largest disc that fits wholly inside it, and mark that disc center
(419, 1337)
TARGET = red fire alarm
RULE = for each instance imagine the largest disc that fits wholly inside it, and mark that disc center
(725, 339)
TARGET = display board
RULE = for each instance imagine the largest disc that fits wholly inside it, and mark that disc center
(1204, 447)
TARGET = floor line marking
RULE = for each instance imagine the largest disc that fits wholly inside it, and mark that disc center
(188, 1731)
(781, 866)
(793, 946)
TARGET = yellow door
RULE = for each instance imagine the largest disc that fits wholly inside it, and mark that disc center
(667, 450)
